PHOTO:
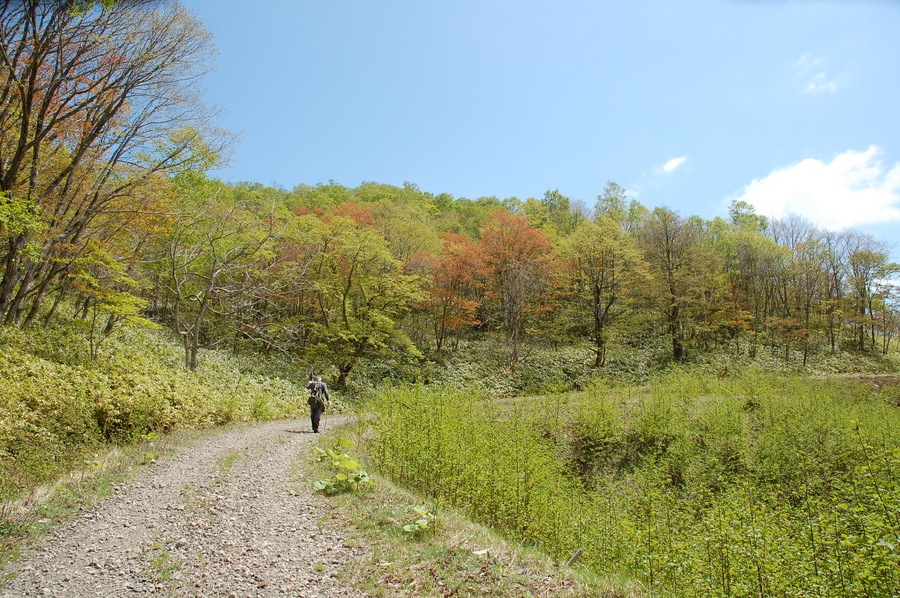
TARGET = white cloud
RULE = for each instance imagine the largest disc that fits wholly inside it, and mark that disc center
(673, 164)
(821, 82)
(810, 71)
(853, 189)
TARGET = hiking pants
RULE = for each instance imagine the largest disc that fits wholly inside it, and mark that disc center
(315, 414)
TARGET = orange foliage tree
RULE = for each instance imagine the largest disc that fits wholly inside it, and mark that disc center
(452, 276)
(519, 268)
(93, 102)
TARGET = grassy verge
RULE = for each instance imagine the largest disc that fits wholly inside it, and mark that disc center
(72, 427)
(450, 556)
(755, 485)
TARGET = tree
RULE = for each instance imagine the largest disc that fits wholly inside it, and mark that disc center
(811, 276)
(743, 216)
(887, 309)
(561, 214)
(360, 294)
(601, 268)
(791, 230)
(614, 203)
(88, 101)
(406, 227)
(519, 267)
(836, 250)
(685, 284)
(108, 291)
(867, 263)
(205, 264)
(466, 216)
(452, 277)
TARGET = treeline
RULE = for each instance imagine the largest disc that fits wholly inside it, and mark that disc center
(344, 274)
(105, 202)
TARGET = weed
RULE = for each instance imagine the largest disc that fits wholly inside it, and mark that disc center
(163, 566)
(423, 524)
(350, 476)
(455, 558)
(677, 486)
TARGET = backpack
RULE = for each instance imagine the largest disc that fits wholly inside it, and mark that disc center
(316, 397)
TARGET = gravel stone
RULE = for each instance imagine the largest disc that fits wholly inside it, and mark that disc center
(233, 515)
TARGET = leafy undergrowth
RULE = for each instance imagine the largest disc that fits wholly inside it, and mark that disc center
(748, 486)
(58, 406)
(447, 556)
(485, 368)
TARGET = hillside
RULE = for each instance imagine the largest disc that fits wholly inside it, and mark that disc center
(689, 404)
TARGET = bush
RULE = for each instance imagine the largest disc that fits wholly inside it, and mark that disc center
(694, 485)
(56, 404)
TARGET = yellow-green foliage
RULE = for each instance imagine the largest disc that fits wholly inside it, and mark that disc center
(755, 486)
(56, 403)
(474, 455)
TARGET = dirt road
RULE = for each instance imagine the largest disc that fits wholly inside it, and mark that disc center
(232, 515)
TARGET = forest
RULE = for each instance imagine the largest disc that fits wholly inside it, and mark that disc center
(340, 276)
(111, 222)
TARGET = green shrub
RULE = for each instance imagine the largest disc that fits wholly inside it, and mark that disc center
(747, 485)
(58, 405)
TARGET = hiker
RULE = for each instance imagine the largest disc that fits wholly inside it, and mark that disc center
(318, 400)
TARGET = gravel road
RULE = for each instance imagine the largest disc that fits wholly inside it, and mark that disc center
(232, 515)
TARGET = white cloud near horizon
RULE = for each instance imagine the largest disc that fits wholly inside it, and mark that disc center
(674, 164)
(853, 189)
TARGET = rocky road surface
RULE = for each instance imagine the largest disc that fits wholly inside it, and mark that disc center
(232, 515)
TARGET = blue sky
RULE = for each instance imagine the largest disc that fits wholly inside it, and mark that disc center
(790, 105)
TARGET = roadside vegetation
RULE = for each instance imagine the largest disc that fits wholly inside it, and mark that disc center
(58, 405)
(71, 425)
(425, 550)
(758, 484)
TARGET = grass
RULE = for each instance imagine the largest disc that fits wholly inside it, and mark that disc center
(754, 485)
(58, 406)
(455, 558)
(163, 565)
(72, 428)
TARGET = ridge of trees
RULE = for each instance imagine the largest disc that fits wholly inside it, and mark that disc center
(105, 200)
(336, 275)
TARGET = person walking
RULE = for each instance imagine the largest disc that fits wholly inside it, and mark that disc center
(318, 400)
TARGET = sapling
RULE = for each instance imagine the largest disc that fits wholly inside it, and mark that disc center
(423, 523)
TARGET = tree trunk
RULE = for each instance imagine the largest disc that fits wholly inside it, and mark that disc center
(343, 374)
(14, 306)
(192, 360)
(38, 299)
(11, 274)
(599, 352)
(63, 289)
(677, 348)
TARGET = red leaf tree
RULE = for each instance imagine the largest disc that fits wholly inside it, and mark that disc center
(519, 269)
(454, 277)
